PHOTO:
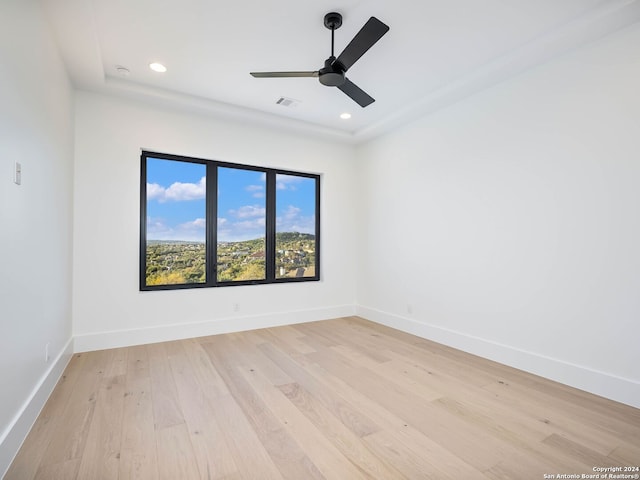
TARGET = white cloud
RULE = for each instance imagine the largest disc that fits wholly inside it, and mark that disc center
(194, 231)
(177, 192)
(158, 229)
(154, 191)
(257, 191)
(250, 224)
(291, 212)
(245, 228)
(287, 182)
(292, 221)
(248, 211)
(197, 224)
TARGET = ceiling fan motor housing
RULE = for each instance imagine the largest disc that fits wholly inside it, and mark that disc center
(329, 75)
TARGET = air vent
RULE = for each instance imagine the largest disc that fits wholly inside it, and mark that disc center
(287, 102)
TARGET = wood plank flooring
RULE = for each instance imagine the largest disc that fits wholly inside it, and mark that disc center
(339, 399)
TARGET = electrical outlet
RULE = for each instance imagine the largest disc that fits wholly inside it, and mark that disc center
(409, 309)
(47, 356)
(236, 307)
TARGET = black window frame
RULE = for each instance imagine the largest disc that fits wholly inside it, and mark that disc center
(211, 240)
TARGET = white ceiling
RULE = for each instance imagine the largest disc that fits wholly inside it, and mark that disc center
(436, 52)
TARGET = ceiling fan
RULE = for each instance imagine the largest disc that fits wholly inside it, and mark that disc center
(333, 72)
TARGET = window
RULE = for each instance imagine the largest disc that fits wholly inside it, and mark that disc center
(207, 224)
(242, 214)
(295, 226)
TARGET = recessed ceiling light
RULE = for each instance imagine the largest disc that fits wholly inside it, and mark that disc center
(345, 116)
(158, 67)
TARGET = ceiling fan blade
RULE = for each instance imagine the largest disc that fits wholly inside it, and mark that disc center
(284, 74)
(356, 94)
(368, 35)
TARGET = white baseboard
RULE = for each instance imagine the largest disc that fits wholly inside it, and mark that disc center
(15, 433)
(616, 388)
(163, 333)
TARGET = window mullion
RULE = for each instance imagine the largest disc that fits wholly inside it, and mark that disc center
(212, 223)
(270, 246)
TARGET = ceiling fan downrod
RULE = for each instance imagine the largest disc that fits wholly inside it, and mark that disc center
(333, 21)
(330, 75)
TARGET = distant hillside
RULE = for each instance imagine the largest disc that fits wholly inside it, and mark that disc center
(293, 236)
(179, 262)
(172, 242)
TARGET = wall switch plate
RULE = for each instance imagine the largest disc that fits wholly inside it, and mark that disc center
(17, 173)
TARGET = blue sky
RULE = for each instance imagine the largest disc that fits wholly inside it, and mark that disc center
(176, 202)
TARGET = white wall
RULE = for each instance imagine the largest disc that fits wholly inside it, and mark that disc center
(508, 225)
(108, 308)
(36, 129)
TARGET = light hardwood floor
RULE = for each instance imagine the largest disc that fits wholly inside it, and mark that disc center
(341, 399)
